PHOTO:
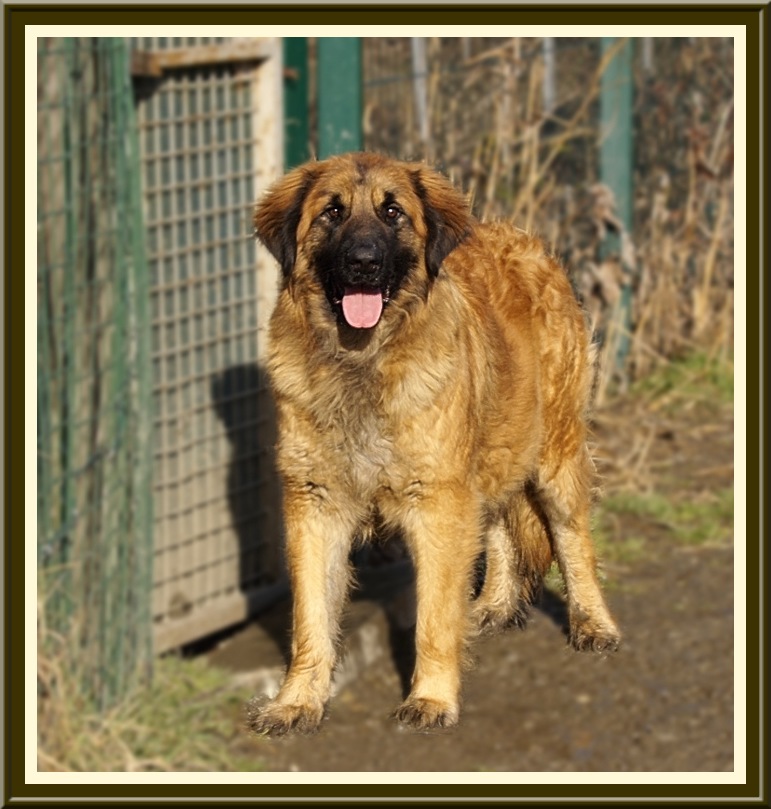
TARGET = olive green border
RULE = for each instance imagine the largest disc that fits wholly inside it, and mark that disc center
(753, 16)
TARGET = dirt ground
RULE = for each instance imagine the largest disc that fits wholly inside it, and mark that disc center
(663, 702)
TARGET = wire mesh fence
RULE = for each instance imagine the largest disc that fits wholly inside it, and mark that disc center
(94, 508)
(207, 126)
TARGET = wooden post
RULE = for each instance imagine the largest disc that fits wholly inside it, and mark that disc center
(548, 74)
(420, 87)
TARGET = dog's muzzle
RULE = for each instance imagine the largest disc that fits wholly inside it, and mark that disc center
(364, 291)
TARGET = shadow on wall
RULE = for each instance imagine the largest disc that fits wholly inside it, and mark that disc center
(244, 405)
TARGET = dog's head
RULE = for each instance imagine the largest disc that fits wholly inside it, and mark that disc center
(364, 228)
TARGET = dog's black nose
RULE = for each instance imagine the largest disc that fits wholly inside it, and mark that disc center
(365, 257)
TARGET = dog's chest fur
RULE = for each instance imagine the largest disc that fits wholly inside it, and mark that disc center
(368, 423)
(361, 415)
(361, 434)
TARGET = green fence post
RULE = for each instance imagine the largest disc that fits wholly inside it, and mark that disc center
(295, 101)
(143, 425)
(616, 147)
(339, 95)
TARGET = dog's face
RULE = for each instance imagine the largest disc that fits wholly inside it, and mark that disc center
(364, 229)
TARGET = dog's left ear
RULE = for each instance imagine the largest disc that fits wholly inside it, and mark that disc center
(277, 215)
(447, 215)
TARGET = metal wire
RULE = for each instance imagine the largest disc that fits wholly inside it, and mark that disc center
(201, 157)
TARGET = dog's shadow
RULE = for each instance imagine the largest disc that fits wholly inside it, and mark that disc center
(554, 607)
(400, 614)
(242, 402)
(401, 641)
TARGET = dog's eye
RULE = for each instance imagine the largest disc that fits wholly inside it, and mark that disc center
(392, 213)
(333, 212)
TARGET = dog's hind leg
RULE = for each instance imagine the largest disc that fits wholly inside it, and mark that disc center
(518, 555)
(496, 605)
(565, 497)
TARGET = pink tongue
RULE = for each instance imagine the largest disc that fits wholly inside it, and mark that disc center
(362, 307)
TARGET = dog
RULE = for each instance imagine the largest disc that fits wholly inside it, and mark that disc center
(432, 375)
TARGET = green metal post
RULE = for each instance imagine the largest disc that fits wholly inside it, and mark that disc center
(142, 547)
(296, 140)
(339, 95)
(616, 156)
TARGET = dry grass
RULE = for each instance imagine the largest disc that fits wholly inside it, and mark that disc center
(188, 720)
(539, 167)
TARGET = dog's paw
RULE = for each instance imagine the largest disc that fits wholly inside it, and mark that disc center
(594, 636)
(490, 620)
(277, 719)
(424, 714)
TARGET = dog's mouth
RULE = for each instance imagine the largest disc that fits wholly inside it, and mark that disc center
(362, 306)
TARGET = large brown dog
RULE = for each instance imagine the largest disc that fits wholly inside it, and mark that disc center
(430, 373)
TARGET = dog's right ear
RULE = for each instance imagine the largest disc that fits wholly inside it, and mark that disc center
(277, 215)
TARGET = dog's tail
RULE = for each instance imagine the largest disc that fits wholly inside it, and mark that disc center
(533, 542)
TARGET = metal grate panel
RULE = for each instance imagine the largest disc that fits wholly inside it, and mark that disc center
(210, 138)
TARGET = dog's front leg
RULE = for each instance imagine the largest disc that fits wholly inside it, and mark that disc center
(443, 533)
(318, 539)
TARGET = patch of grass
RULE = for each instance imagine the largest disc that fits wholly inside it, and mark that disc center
(553, 580)
(625, 522)
(688, 520)
(188, 720)
(697, 377)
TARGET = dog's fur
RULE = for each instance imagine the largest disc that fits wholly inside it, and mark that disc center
(458, 419)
